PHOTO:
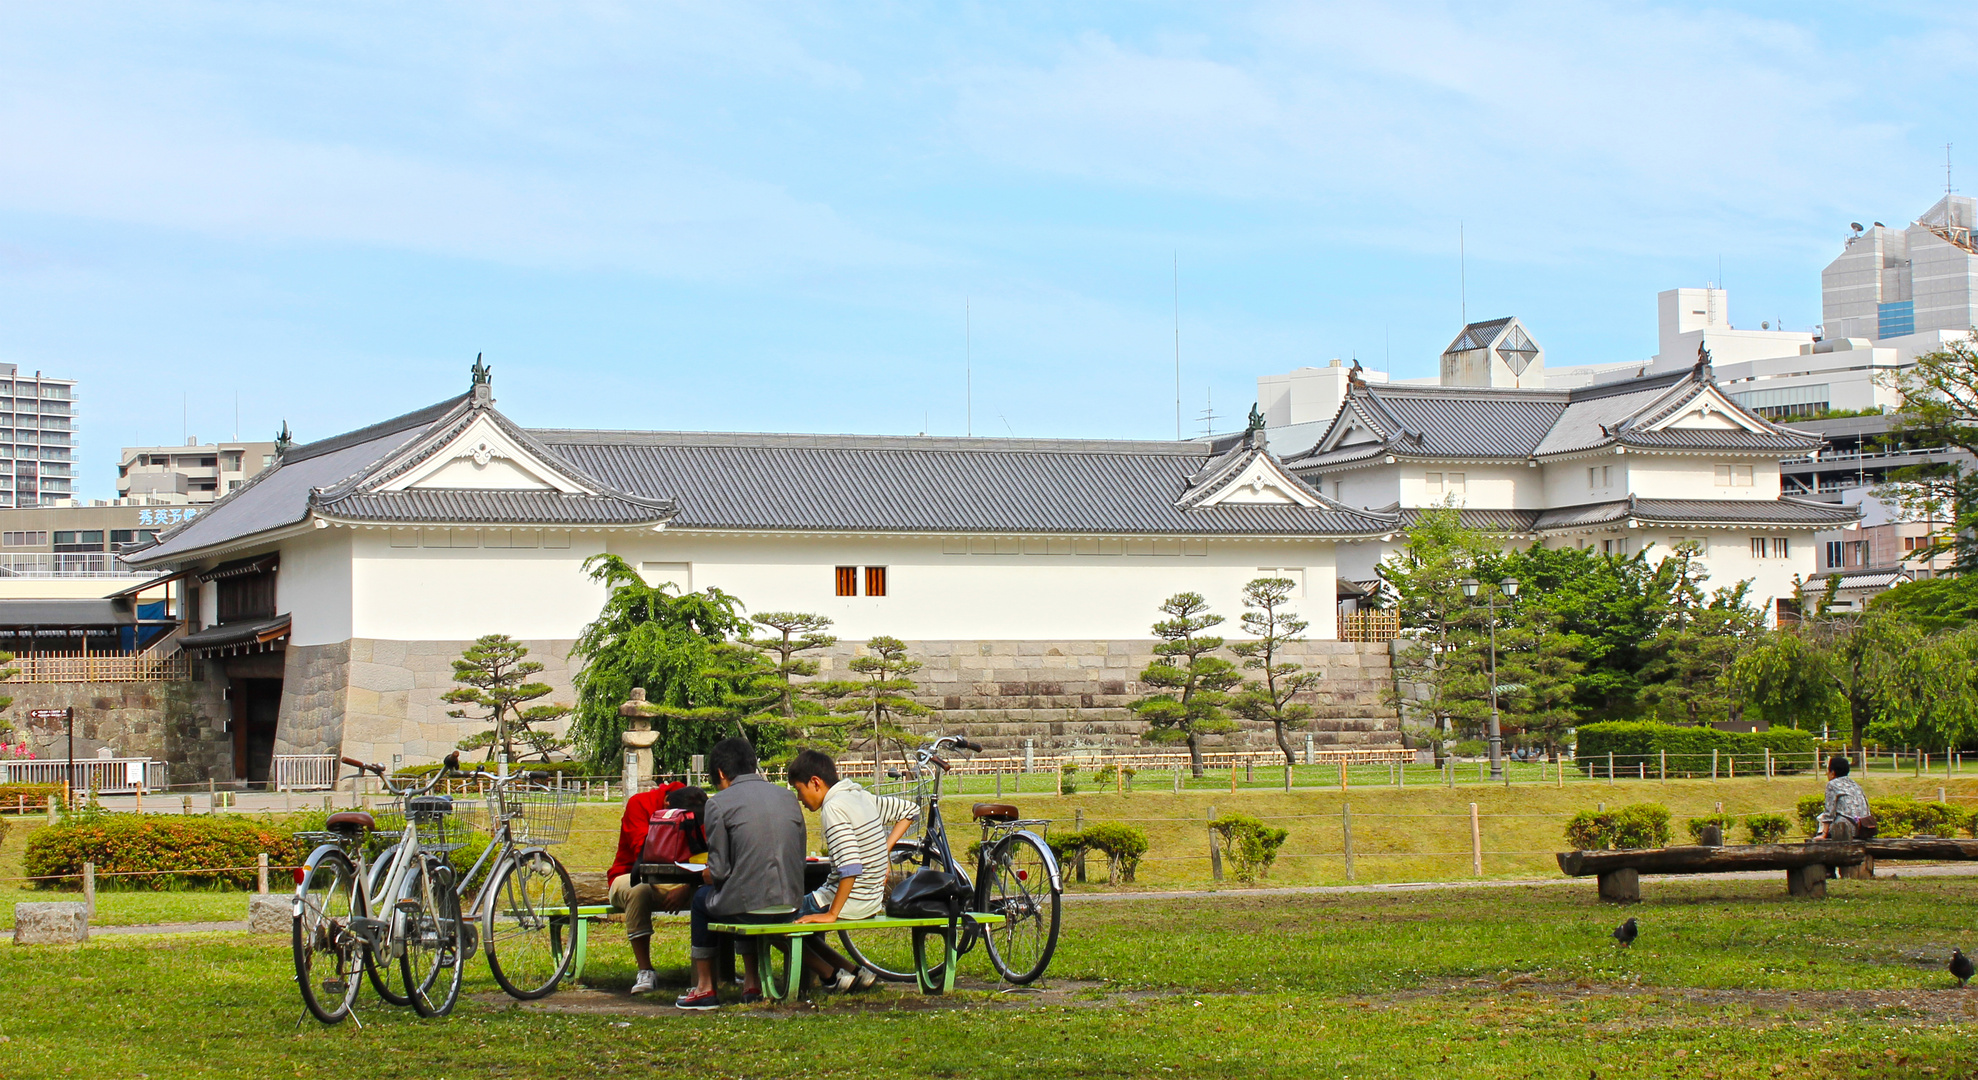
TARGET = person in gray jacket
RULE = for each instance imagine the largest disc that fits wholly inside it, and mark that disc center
(755, 865)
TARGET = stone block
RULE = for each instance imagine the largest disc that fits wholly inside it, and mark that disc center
(268, 913)
(62, 923)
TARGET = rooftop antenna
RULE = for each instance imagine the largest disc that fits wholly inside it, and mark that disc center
(1462, 274)
(1209, 414)
(1177, 346)
(968, 366)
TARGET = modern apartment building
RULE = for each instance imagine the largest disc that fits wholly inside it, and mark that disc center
(194, 474)
(37, 433)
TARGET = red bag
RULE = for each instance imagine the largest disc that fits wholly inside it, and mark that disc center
(668, 834)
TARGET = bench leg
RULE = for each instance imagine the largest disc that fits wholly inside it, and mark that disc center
(579, 945)
(1808, 881)
(949, 959)
(1861, 871)
(1621, 886)
(791, 946)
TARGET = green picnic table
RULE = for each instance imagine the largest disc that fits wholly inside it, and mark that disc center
(788, 938)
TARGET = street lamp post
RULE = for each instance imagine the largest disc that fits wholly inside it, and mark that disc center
(1509, 586)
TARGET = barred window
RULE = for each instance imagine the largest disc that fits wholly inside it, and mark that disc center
(848, 581)
(875, 581)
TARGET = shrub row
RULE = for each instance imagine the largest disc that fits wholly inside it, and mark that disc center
(1897, 816)
(1642, 825)
(1758, 828)
(1121, 844)
(148, 848)
(1636, 743)
(28, 797)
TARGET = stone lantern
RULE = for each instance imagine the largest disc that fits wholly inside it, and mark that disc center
(638, 738)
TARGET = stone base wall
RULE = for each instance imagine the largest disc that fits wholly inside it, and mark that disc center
(1070, 695)
(1060, 695)
(315, 681)
(391, 697)
(183, 723)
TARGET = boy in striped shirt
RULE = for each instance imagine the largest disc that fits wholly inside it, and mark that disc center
(860, 830)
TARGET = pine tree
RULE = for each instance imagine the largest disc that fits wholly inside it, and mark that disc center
(493, 673)
(1272, 698)
(879, 698)
(1442, 661)
(1195, 685)
(809, 723)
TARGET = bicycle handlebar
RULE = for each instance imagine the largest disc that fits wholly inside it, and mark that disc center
(451, 764)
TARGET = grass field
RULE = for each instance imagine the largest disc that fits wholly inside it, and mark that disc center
(1417, 833)
(1729, 979)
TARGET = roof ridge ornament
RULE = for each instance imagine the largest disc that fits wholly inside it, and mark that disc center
(283, 439)
(1702, 371)
(482, 374)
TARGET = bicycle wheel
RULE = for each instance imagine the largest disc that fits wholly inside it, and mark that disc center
(328, 955)
(1021, 889)
(434, 937)
(889, 953)
(530, 908)
(387, 978)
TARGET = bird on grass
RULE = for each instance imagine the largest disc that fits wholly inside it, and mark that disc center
(1962, 967)
(1625, 933)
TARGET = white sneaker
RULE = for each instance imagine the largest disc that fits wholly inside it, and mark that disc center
(646, 982)
(866, 977)
(844, 981)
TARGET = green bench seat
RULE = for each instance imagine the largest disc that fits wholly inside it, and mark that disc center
(787, 939)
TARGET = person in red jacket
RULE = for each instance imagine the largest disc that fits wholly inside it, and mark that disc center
(638, 901)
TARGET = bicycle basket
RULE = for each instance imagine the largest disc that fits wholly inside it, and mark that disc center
(432, 815)
(536, 815)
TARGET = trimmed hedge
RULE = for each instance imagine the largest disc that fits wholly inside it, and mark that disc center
(145, 847)
(1637, 743)
(27, 797)
(1897, 816)
(1641, 825)
(1123, 846)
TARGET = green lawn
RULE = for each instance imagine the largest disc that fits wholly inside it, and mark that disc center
(1727, 980)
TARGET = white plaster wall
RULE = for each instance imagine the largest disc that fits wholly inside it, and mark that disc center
(932, 595)
(1367, 488)
(1564, 483)
(1486, 487)
(461, 593)
(313, 587)
(1654, 477)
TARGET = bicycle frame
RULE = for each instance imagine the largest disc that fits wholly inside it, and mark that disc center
(934, 831)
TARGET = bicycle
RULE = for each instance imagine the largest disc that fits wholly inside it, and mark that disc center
(337, 892)
(527, 905)
(1016, 876)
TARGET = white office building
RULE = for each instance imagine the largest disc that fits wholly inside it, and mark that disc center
(37, 449)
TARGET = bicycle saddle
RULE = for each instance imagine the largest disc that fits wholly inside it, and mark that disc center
(354, 820)
(995, 811)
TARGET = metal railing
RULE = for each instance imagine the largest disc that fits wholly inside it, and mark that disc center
(109, 776)
(77, 668)
(1138, 760)
(67, 564)
(305, 772)
(1370, 626)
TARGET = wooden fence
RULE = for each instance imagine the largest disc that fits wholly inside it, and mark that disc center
(1369, 626)
(77, 668)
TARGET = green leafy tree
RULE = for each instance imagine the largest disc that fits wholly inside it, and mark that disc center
(1858, 658)
(792, 635)
(1538, 671)
(1194, 685)
(1938, 603)
(1607, 608)
(879, 700)
(1688, 663)
(493, 675)
(1272, 698)
(1425, 577)
(1932, 702)
(1786, 675)
(654, 637)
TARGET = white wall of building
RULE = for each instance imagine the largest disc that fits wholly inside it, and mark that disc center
(934, 591)
(1566, 483)
(1370, 487)
(1308, 395)
(313, 586)
(1652, 476)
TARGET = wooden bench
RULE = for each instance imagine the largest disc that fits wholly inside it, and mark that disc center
(1806, 865)
(787, 939)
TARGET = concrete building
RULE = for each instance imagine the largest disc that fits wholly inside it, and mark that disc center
(37, 438)
(70, 552)
(191, 475)
(334, 589)
(1912, 289)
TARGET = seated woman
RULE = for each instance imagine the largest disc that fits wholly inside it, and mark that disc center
(1847, 816)
(639, 900)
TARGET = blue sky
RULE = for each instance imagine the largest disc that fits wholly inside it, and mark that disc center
(726, 216)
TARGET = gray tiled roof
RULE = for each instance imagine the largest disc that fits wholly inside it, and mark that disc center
(280, 496)
(1482, 422)
(493, 507)
(1782, 511)
(913, 484)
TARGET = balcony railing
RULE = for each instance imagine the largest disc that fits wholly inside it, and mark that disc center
(107, 776)
(66, 564)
